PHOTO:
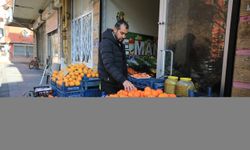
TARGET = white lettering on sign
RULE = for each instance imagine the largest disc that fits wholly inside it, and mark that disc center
(149, 49)
(248, 7)
(139, 48)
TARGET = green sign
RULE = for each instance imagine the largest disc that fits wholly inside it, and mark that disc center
(141, 52)
(140, 45)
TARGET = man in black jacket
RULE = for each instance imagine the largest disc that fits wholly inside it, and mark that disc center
(112, 66)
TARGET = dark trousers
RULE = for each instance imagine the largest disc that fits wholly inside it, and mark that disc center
(110, 88)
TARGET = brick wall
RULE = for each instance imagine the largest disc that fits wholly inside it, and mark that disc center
(241, 81)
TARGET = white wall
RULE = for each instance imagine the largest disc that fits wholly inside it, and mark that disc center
(142, 15)
(80, 7)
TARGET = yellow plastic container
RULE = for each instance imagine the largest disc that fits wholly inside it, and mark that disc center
(183, 86)
(170, 84)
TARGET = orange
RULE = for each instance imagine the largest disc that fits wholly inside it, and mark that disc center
(67, 84)
(159, 91)
(147, 93)
(163, 95)
(137, 94)
(89, 75)
(79, 78)
(77, 83)
(93, 75)
(130, 95)
(147, 89)
(172, 95)
(155, 93)
(123, 96)
(71, 84)
(85, 71)
(65, 80)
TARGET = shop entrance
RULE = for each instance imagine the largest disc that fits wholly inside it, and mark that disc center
(195, 30)
(141, 41)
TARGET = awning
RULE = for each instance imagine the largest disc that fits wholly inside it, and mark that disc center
(25, 12)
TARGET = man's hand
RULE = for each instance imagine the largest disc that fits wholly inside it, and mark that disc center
(128, 86)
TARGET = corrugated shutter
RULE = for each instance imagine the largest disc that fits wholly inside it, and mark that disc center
(19, 51)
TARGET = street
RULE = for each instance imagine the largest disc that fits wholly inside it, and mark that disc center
(16, 78)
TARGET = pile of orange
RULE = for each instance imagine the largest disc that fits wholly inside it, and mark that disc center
(141, 75)
(74, 75)
(147, 93)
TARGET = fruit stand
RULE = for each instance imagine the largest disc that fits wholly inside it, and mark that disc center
(76, 81)
(80, 81)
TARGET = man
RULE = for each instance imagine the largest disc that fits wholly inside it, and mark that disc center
(112, 66)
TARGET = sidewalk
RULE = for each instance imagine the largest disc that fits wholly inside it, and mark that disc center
(17, 78)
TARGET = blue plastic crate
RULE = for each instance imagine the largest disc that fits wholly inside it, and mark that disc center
(157, 84)
(65, 89)
(52, 83)
(151, 82)
(91, 83)
(55, 92)
(69, 94)
(92, 93)
(140, 83)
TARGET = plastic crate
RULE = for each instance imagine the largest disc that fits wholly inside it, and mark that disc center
(141, 83)
(69, 94)
(65, 89)
(90, 83)
(55, 93)
(52, 83)
(92, 93)
(157, 84)
(151, 82)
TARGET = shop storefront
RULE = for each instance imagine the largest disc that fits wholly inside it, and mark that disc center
(194, 30)
(166, 37)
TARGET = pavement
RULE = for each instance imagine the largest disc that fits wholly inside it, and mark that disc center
(16, 78)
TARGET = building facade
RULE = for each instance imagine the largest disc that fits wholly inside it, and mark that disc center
(70, 30)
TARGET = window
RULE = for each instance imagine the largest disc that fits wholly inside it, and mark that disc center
(82, 40)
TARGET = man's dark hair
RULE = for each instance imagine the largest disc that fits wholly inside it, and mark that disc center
(121, 22)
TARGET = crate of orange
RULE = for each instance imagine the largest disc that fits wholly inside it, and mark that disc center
(71, 82)
(142, 83)
(146, 93)
(75, 78)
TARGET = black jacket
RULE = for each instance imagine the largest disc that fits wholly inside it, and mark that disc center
(112, 66)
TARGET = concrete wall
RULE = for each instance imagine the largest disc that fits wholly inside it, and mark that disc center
(142, 15)
(241, 84)
(96, 34)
